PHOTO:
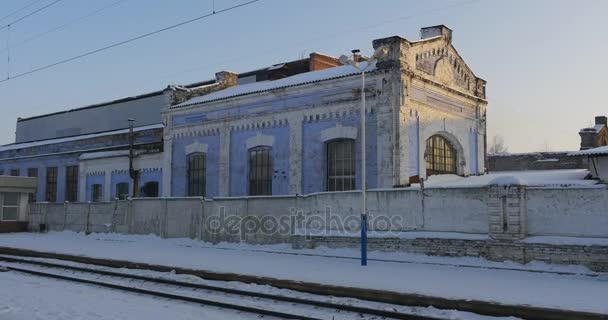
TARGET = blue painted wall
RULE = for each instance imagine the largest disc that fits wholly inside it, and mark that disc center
(314, 153)
(91, 180)
(239, 160)
(121, 177)
(179, 166)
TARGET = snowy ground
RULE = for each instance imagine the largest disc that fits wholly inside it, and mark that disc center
(34, 298)
(463, 278)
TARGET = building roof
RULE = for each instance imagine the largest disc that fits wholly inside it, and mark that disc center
(74, 138)
(600, 151)
(262, 86)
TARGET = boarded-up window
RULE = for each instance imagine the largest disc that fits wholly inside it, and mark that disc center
(51, 184)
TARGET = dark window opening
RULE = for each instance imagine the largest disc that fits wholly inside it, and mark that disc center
(197, 174)
(341, 165)
(260, 171)
(96, 192)
(15, 172)
(51, 184)
(149, 190)
(32, 172)
(122, 191)
(71, 183)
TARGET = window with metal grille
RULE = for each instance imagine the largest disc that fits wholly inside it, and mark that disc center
(15, 172)
(260, 171)
(71, 183)
(341, 165)
(440, 156)
(96, 192)
(51, 184)
(32, 172)
(10, 206)
(197, 174)
(122, 191)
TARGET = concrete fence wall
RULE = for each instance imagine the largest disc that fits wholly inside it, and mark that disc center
(503, 212)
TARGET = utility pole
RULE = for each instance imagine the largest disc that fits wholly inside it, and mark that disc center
(134, 174)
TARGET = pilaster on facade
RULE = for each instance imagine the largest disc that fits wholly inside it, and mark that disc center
(224, 163)
(295, 154)
(507, 212)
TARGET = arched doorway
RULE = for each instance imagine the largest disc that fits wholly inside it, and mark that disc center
(440, 156)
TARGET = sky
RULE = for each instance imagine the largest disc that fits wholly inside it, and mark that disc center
(544, 61)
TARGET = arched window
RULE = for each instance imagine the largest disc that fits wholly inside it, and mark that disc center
(440, 156)
(341, 165)
(197, 174)
(260, 171)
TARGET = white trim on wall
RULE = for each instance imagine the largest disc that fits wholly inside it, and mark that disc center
(338, 132)
(259, 140)
(196, 147)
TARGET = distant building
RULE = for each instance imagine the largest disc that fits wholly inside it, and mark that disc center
(534, 161)
(596, 136)
(597, 161)
(289, 128)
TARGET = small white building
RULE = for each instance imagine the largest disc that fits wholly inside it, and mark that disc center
(597, 160)
(14, 197)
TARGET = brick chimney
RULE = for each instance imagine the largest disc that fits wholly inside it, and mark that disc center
(434, 31)
(223, 80)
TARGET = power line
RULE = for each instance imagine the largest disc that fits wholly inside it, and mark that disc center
(20, 9)
(128, 40)
(30, 14)
(333, 35)
(88, 15)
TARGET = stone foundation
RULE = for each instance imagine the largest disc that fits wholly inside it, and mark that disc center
(594, 257)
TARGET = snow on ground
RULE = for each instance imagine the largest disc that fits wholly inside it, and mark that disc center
(35, 298)
(575, 292)
(531, 178)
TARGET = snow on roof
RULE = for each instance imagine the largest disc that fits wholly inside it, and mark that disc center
(74, 138)
(298, 79)
(531, 178)
(600, 151)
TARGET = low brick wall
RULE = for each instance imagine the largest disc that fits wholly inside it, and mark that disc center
(13, 226)
(594, 257)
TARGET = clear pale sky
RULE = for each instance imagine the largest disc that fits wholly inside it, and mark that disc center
(544, 60)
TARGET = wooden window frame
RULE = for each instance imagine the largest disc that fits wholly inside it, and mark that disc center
(196, 175)
(51, 184)
(340, 156)
(261, 171)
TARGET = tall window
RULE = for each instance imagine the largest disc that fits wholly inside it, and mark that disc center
(96, 192)
(32, 172)
(71, 183)
(122, 190)
(440, 156)
(197, 174)
(341, 165)
(15, 172)
(10, 206)
(51, 184)
(260, 171)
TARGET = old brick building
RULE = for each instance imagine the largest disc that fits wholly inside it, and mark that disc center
(290, 128)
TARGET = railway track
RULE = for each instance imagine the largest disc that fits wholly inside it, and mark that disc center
(250, 301)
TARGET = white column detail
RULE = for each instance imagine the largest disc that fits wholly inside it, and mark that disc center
(224, 165)
(295, 154)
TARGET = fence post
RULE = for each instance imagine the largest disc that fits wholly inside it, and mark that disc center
(113, 217)
(163, 222)
(86, 225)
(65, 214)
(201, 221)
(128, 217)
